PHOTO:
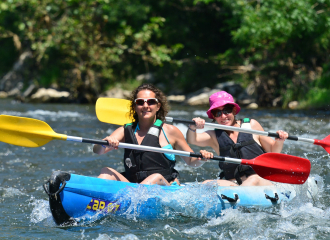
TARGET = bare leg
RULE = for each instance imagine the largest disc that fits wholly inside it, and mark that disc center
(156, 178)
(223, 183)
(175, 180)
(111, 174)
(256, 180)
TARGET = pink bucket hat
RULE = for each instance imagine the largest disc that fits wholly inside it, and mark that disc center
(220, 99)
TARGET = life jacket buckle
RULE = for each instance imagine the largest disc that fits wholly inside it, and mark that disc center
(237, 145)
(128, 162)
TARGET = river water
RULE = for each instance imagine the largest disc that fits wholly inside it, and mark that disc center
(24, 205)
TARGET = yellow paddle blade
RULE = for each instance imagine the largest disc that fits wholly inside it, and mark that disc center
(113, 110)
(26, 132)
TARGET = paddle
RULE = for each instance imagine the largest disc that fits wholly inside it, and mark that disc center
(28, 132)
(115, 111)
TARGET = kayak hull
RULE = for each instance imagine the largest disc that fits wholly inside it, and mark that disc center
(74, 198)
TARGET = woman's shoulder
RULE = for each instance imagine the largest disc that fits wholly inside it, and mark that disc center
(255, 124)
(170, 128)
(253, 121)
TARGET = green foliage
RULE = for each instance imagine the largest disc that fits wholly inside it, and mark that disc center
(323, 81)
(130, 84)
(318, 94)
(8, 55)
(316, 98)
(281, 46)
(95, 42)
(50, 76)
(285, 42)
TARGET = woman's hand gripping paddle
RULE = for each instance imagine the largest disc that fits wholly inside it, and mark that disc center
(115, 111)
(28, 132)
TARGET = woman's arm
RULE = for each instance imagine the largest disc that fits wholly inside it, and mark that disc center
(267, 143)
(178, 141)
(114, 139)
(204, 139)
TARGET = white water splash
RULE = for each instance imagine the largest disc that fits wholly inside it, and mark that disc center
(40, 210)
(44, 113)
(6, 153)
(10, 192)
(177, 113)
(107, 237)
(199, 113)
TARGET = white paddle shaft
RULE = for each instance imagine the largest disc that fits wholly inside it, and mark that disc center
(245, 130)
(152, 149)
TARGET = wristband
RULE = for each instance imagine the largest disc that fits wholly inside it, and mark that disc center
(191, 129)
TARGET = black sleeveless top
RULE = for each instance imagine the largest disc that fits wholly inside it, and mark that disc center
(141, 164)
(246, 148)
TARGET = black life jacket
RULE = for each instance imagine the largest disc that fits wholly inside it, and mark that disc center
(246, 148)
(141, 164)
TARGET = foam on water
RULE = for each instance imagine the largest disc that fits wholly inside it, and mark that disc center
(177, 113)
(199, 230)
(6, 153)
(137, 196)
(40, 112)
(10, 192)
(195, 200)
(108, 237)
(199, 113)
(182, 166)
(40, 210)
(57, 114)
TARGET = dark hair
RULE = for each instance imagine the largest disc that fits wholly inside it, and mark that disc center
(161, 113)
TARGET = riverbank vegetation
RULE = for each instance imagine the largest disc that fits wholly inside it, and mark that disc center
(279, 47)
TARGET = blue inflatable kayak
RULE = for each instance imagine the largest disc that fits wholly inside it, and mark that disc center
(75, 198)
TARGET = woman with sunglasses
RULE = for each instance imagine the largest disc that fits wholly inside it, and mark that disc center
(223, 110)
(148, 110)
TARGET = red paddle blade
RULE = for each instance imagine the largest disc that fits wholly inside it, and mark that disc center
(279, 167)
(325, 143)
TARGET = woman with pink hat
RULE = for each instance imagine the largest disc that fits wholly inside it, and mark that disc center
(223, 110)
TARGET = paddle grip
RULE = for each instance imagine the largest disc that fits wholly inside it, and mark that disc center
(93, 141)
(218, 158)
(190, 122)
(270, 134)
(198, 155)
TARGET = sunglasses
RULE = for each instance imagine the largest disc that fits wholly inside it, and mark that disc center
(149, 101)
(225, 111)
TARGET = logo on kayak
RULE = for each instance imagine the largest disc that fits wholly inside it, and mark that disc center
(128, 162)
(101, 205)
